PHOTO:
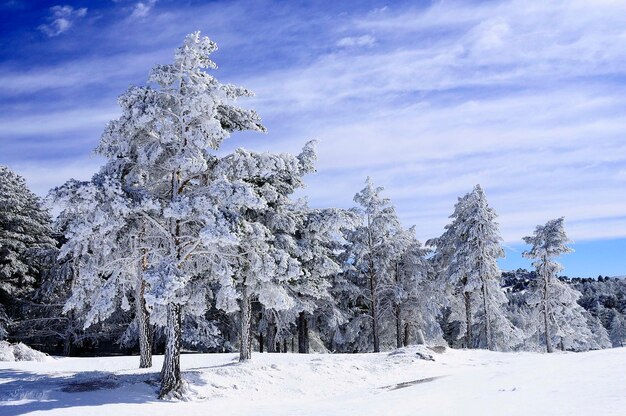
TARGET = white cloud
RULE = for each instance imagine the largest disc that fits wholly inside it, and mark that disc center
(365, 40)
(61, 18)
(142, 8)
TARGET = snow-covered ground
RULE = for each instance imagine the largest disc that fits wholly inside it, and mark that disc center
(397, 383)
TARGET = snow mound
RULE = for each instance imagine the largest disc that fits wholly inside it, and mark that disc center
(420, 351)
(20, 352)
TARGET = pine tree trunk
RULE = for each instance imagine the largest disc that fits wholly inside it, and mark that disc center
(485, 294)
(373, 287)
(420, 337)
(398, 314)
(374, 307)
(245, 350)
(407, 334)
(303, 334)
(271, 337)
(143, 326)
(284, 345)
(468, 320)
(546, 316)
(67, 345)
(69, 337)
(261, 337)
(171, 382)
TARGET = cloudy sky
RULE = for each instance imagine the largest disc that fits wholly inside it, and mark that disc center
(527, 98)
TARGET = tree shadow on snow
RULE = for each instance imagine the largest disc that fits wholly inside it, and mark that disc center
(22, 391)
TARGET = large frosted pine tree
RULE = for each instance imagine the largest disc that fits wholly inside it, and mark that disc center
(160, 149)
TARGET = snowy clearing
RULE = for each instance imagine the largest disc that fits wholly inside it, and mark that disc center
(398, 383)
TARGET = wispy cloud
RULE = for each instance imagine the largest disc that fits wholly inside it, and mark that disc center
(61, 19)
(526, 98)
(142, 8)
(365, 40)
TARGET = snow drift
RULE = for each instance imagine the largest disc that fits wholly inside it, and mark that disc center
(20, 352)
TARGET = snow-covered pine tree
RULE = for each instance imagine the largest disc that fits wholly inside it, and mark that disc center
(160, 149)
(343, 324)
(599, 338)
(264, 266)
(557, 311)
(105, 232)
(319, 239)
(25, 239)
(371, 254)
(458, 306)
(466, 257)
(617, 329)
(412, 297)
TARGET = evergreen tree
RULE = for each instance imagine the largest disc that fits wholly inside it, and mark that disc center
(319, 238)
(617, 332)
(466, 257)
(105, 233)
(557, 311)
(599, 338)
(160, 151)
(262, 266)
(411, 296)
(371, 255)
(25, 240)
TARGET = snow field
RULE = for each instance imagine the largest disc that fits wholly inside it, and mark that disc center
(398, 383)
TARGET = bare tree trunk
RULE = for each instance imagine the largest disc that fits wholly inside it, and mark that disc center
(143, 323)
(171, 382)
(285, 345)
(468, 319)
(245, 350)
(398, 314)
(485, 294)
(303, 334)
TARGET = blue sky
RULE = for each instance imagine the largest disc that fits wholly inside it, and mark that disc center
(527, 98)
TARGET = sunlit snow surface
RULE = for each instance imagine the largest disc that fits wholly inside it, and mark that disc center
(397, 383)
